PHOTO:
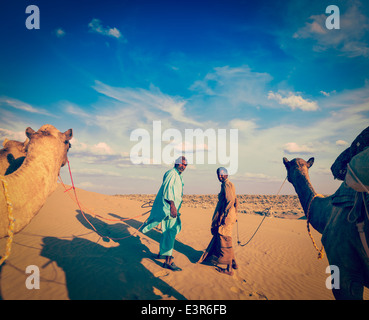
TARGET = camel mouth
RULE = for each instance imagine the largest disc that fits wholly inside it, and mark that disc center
(65, 161)
(69, 144)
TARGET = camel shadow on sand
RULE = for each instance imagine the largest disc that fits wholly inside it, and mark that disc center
(96, 272)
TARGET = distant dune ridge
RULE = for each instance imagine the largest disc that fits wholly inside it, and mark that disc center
(283, 206)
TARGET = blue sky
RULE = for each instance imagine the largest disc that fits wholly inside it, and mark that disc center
(270, 69)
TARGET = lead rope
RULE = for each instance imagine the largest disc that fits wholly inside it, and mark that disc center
(11, 221)
(321, 250)
(257, 229)
(145, 205)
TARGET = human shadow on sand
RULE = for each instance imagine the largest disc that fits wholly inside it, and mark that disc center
(96, 272)
(192, 254)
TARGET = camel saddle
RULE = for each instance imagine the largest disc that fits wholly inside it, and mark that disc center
(339, 167)
(362, 223)
(358, 204)
(357, 176)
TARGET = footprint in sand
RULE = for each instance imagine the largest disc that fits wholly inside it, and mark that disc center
(242, 293)
(258, 294)
(236, 290)
(161, 274)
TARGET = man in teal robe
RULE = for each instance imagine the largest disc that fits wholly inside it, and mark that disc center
(165, 210)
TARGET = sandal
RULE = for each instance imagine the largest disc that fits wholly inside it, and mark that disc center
(171, 266)
(234, 265)
(224, 271)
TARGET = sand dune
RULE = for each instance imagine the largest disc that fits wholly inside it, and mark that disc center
(75, 262)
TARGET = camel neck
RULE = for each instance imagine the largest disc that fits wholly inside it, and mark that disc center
(33, 182)
(305, 192)
(42, 163)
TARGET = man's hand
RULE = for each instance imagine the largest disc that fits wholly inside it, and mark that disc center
(173, 210)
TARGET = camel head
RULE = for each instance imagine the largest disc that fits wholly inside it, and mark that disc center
(50, 131)
(297, 167)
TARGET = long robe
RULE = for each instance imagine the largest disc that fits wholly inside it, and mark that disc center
(220, 248)
(171, 190)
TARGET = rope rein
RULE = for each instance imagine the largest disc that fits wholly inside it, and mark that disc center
(145, 205)
(257, 229)
(321, 250)
(11, 221)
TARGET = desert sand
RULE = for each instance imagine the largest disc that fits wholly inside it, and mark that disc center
(76, 262)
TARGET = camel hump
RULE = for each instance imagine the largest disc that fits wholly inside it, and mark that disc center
(339, 167)
(5, 141)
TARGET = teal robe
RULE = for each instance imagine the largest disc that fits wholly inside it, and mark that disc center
(171, 190)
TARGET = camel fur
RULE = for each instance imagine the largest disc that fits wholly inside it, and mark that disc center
(36, 179)
(336, 221)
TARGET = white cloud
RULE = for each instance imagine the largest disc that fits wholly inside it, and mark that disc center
(96, 172)
(294, 101)
(96, 26)
(234, 87)
(12, 135)
(60, 33)
(341, 143)
(240, 87)
(101, 148)
(114, 32)
(143, 102)
(351, 39)
(87, 185)
(255, 177)
(20, 105)
(313, 29)
(190, 147)
(75, 110)
(293, 147)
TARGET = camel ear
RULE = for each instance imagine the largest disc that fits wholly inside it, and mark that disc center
(29, 132)
(68, 134)
(310, 162)
(5, 141)
(285, 161)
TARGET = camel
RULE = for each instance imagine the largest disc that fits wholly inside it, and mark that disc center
(12, 155)
(29, 186)
(337, 224)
